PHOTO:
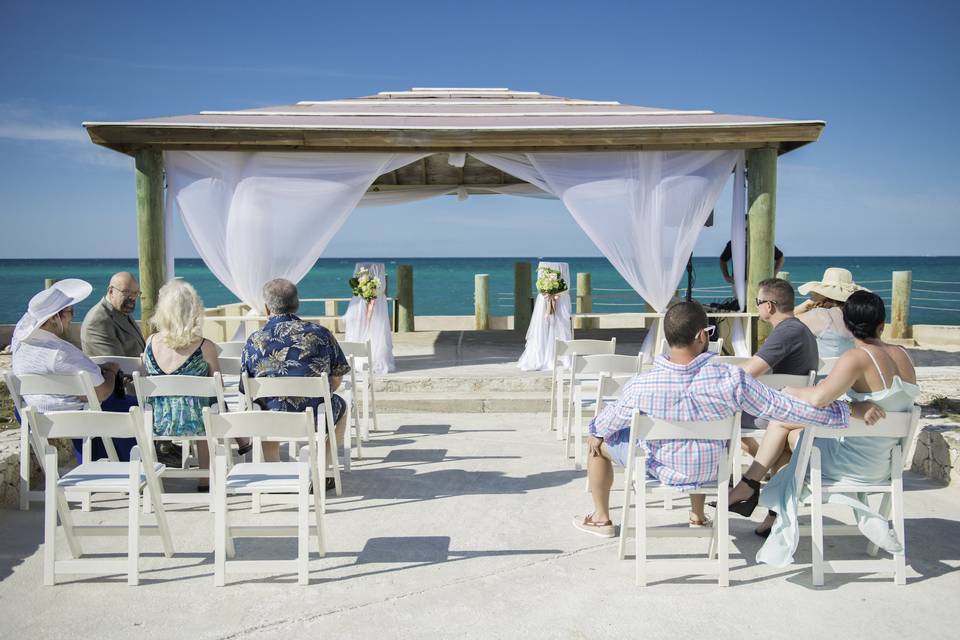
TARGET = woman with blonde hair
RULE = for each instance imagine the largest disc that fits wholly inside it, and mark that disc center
(178, 348)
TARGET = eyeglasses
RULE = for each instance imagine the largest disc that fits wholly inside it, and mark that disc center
(132, 295)
(760, 302)
(709, 329)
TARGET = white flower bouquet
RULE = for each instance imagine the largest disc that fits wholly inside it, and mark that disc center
(550, 285)
(364, 285)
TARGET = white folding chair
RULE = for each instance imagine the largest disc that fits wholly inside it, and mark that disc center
(646, 429)
(127, 364)
(277, 478)
(231, 349)
(775, 381)
(715, 346)
(229, 366)
(826, 365)
(735, 361)
(895, 425)
(359, 355)
(205, 387)
(570, 350)
(80, 385)
(101, 476)
(584, 375)
(294, 387)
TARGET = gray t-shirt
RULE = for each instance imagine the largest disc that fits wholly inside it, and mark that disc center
(791, 348)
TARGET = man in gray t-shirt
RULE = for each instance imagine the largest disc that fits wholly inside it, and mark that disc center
(791, 347)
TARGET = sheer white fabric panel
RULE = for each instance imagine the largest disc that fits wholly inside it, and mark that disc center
(544, 329)
(364, 324)
(738, 246)
(254, 216)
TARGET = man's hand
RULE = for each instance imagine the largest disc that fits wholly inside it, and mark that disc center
(593, 446)
(868, 412)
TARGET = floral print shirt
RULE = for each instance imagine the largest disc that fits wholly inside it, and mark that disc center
(289, 346)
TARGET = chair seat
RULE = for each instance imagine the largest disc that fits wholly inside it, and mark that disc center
(104, 475)
(264, 476)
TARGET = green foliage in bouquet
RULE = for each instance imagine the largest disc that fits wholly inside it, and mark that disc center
(549, 281)
(363, 285)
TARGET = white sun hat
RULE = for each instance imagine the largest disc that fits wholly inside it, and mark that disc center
(837, 284)
(48, 303)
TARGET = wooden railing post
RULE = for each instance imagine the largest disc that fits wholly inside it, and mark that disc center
(584, 301)
(405, 317)
(900, 305)
(783, 275)
(481, 302)
(522, 307)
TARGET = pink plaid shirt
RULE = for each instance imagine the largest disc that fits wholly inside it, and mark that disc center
(701, 391)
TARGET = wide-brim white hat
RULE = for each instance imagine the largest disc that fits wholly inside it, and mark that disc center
(837, 284)
(48, 303)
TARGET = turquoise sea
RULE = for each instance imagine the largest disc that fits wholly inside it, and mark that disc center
(444, 286)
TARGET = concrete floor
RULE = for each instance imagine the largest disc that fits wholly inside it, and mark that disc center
(458, 525)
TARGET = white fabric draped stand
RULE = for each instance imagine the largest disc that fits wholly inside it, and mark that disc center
(738, 247)
(363, 325)
(539, 351)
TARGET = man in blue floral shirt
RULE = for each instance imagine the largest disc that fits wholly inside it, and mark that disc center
(289, 346)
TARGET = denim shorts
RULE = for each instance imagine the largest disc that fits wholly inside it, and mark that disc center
(618, 446)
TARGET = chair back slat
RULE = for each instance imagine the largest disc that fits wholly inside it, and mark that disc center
(896, 424)
(610, 386)
(607, 363)
(585, 347)
(286, 387)
(715, 346)
(260, 424)
(79, 384)
(735, 361)
(127, 364)
(86, 424)
(231, 349)
(647, 428)
(230, 366)
(781, 380)
(190, 386)
(356, 349)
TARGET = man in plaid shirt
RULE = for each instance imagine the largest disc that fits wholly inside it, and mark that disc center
(686, 387)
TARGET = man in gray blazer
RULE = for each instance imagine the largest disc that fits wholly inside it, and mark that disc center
(109, 328)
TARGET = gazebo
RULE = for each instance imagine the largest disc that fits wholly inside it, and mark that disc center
(466, 140)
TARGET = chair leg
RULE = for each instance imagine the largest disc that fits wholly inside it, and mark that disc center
(303, 527)
(220, 525)
(133, 535)
(737, 461)
(50, 521)
(722, 529)
(318, 513)
(373, 401)
(559, 421)
(334, 461)
(551, 423)
(641, 530)
(625, 524)
(884, 511)
(816, 517)
(899, 559)
(24, 465)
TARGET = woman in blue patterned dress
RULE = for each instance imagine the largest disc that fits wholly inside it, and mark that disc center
(179, 349)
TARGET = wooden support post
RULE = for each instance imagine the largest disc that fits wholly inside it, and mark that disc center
(522, 307)
(900, 312)
(762, 221)
(150, 231)
(481, 302)
(405, 316)
(584, 301)
(330, 308)
(784, 275)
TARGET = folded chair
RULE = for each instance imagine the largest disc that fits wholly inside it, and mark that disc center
(102, 476)
(294, 478)
(635, 480)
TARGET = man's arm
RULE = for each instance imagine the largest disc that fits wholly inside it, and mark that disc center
(755, 367)
(334, 382)
(617, 416)
(760, 400)
(96, 339)
(778, 265)
(725, 270)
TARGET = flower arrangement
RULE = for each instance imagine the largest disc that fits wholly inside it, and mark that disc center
(364, 285)
(550, 285)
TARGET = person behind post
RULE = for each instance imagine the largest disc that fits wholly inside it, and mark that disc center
(877, 377)
(685, 386)
(727, 255)
(109, 328)
(40, 346)
(290, 346)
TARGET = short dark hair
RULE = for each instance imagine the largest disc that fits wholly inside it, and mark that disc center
(780, 292)
(863, 313)
(281, 297)
(682, 322)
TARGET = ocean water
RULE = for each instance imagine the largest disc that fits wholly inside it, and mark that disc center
(444, 286)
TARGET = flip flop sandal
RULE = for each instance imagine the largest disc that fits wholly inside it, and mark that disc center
(585, 524)
(706, 522)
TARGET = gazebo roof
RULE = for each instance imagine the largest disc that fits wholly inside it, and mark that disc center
(456, 119)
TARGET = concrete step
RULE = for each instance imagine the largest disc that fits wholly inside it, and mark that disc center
(501, 402)
(462, 384)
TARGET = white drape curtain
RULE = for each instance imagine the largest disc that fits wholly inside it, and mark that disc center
(643, 210)
(373, 324)
(546, 327)
(416, 194)
(738, 247)
(255, 216)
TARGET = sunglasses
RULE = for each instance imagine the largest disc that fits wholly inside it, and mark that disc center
(709, 329)
(760, 302)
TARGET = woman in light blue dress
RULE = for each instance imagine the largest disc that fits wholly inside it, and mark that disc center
(876, 377)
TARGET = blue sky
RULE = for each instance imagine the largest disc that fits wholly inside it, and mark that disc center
(882, 180)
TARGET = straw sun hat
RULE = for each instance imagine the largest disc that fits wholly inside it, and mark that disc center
(837, 284)
(48, 303)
